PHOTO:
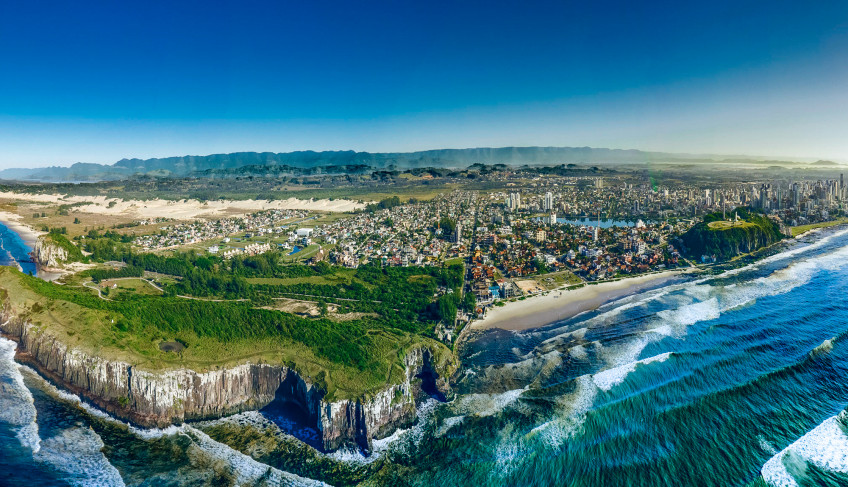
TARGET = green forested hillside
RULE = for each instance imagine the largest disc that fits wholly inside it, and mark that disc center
(726, 238)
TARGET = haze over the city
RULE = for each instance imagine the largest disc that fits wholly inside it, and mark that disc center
(100, 81)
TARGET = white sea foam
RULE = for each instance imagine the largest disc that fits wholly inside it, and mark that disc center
(76, 452)
(606, 379)
(401, 439)
(486, 404)
(579, 352)
(242, 467)
(785, 254)
(144, 433)
(766, 446)
(691, 313)
(16, 403)
(826, 447)
(449, 423)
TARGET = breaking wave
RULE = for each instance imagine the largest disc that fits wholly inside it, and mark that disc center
(16, 403)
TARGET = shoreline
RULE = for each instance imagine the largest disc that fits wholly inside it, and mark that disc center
(28, 234)
(558, 305)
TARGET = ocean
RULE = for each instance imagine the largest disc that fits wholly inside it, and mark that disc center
(14, 251)
(739, 379)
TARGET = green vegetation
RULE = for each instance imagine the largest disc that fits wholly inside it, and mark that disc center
(384, 204)
(348, 358)
(56, 238)
(98, 275)
(806, 228)
(724, 239)
(224, 312)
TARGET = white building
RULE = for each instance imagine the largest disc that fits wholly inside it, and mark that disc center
(549, 201)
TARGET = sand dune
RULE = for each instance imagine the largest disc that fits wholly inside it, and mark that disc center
(181, 209)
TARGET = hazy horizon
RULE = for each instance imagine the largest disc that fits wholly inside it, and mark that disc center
(718, 157)
(101, 82)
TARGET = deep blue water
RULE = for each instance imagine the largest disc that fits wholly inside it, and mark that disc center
(736, 379)
(13, 249)
(295, 250)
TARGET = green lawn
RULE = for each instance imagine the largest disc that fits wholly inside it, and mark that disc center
(130, 287)
(554, 280)
(726, 224)
(806, 228)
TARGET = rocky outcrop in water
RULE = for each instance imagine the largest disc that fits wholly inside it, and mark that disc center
(48, 254)
(157, 399)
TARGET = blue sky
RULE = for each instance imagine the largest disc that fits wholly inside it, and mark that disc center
(98, 81)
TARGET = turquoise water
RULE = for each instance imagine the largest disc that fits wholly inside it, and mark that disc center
(738, 379)
(13, 250)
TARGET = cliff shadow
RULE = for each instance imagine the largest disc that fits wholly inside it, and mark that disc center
(429, 380)
(290, 412)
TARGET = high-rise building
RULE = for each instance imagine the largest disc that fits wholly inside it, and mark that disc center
(548, 204)
(457, 233)
(513, 201)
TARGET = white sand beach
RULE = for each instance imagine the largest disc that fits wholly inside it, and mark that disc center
(28, 234)
(556, 305)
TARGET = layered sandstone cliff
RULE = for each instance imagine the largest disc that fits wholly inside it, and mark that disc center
(162, 398)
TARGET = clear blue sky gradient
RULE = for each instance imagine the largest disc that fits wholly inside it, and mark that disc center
(98, 81)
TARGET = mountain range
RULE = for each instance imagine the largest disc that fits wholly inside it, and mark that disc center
(208, 166)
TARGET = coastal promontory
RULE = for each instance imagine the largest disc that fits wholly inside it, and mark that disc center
(724, 235)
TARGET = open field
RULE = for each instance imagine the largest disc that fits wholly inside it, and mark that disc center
(555, 280)
(341, 276)
(727, 224)
(129, 287)
(806, 228)
(326, 218)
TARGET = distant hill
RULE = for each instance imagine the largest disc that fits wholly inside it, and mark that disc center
(218, 164)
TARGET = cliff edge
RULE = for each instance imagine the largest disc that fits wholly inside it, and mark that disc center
(53, 250)
(158, 399)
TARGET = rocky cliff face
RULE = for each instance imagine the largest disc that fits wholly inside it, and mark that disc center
(756, 232)
(158, 399)
(47, 254)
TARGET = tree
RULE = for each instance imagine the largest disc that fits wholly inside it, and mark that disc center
(469, 301)
(447, 225)
(447, 308)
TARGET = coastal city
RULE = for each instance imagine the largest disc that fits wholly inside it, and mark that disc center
(538, 234)
(423, 244)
